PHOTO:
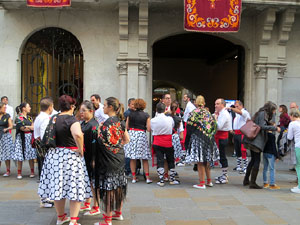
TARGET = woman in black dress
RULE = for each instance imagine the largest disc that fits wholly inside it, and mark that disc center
(64, 175)
(89, 128)
(6, 141)
(110, 179)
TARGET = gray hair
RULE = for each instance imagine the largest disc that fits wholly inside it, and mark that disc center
(295, 113)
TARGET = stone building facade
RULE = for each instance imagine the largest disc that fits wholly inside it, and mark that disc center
(117, 38)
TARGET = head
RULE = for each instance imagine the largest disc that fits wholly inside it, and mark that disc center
(86, 110)
(200, 101)
(187, 97)
(96, 100)
(294, 105)
(239, 104)
(4, 99)
(46, 105)
(294, 114)
(131, 103)
(269, 108)
(140, 104)
(166, 99)
(220, 104)
(24, 108)
(283, 109)
(2, 108)
(112, 105)
(174, 107)
(66, 103)
(160, 107)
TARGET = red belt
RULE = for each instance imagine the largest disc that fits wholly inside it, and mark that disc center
(222, 134)
(27, 132)
(163, 140)
(238, 132)
(72, 147)
(135, 129)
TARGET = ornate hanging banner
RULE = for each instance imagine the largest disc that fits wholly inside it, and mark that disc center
(48, 3)
(212, 15)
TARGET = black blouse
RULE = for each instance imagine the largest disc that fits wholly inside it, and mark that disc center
(64, 136)
(138, 120)
(4, 123)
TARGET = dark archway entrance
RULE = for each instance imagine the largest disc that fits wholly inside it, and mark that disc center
(52, 65)
(201, 63)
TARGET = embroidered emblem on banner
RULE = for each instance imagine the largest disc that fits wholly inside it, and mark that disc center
(212, 15)
(48, 3)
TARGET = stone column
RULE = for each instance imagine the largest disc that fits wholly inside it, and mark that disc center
(122, 67)
(281, 73)
(143, 71)
(132, 79)
(272, 84)
(260, 78)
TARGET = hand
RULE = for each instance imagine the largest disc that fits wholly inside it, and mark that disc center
(278, 129)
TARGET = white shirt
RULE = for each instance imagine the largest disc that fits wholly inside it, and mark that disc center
(10, 111)
(224, 121)
(99, 114)
(40, 124)
(54, 112)
(294, 132)
(188, 109)
(162, 124)
(240, 120)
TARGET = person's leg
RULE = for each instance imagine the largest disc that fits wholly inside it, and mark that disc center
(201, 173)
(255, 171)
(249, 169)
(160, 163)
(297, 167)
(237, 148)
(60, 209)
(207, 172)
(169, 152)
(127, 166)
(271, 160)
(166, 175)
(266, 166)
(223, 159)
(74, 210)
(133, 168)
(146, 168)
(31, 165)
(20, 163)
(7, 163)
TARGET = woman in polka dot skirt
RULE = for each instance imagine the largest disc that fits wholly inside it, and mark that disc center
(110, 179)
(64, 174)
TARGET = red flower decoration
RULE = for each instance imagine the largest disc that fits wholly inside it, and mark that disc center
(21, 118)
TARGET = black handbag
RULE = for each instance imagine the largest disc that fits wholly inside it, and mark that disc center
(49, 139)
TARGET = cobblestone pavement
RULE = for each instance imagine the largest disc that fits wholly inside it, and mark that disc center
(170, 205)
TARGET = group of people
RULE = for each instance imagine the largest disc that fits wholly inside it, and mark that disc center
(93, 146)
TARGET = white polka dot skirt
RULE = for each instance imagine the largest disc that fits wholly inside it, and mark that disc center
(178, 153)
(30, 153)
(138, 147)
(64, 176)
(6, 147)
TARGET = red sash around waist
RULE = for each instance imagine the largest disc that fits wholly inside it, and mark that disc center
(222, 134)
(135, 129)
(72, 148)
(238, 132)
(163, 140)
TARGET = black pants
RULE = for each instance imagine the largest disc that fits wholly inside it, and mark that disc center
(222, 147)
(160, 153)
(40, 164)
(255, 161)
(238, 145)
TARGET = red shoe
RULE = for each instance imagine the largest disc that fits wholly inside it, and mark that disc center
(86, 207)
(74, 218)
(117, 216)
(95, 211)
(107, 220)
(62, 219)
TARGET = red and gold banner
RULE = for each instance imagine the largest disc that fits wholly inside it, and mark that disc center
(48, 3)
(212, 15)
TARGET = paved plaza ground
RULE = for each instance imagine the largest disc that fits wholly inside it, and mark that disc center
(171, 205)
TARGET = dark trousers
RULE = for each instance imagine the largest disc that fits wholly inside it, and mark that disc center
(127, 166)
(255, 161)
(160, 153)
(238, 145)
(222, 148)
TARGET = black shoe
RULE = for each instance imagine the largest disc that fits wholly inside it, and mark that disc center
(195, 168)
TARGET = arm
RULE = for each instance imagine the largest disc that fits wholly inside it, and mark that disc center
(78, 137)
(127, 123)
(148, 125)
(221, 120)
(236, 110)
(125, 138)
(263, 124)
(10, 125)
(290, 135)
(43, 128)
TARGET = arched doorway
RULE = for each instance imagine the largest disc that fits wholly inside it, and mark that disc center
(52, 65)
(201, 64)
